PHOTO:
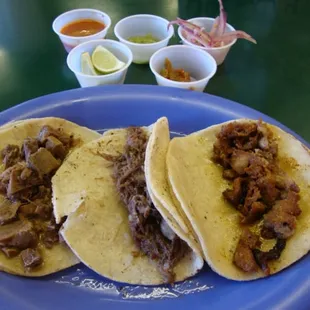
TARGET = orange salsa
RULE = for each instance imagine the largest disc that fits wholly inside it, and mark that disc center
(82, 28)
(178, 75)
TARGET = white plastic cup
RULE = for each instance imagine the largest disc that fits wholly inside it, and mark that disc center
(69, 42)
(197, 62)
(139, 25)
(121, 51)
(219, 53)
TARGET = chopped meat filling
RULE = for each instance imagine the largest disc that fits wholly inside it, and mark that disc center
(244, 257)
(10, 252)
(30, 146)
(50, 233)
(17, 180)
(27, 210)
(56, 147)
(19, 234)
(146, 223)
(281, 219)
(257, 209)
(237, 193)
(229, 174)
(8, 211)
(239, 161)
(47, 131)
(10, 155)
(26, 216)
(268, 190)
(262, 258)
(43, 162)
(31, 258)
(252, 195)
(260, 191)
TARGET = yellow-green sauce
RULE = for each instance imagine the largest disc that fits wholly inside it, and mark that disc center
(146, 39)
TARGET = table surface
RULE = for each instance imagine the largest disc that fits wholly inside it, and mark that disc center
(270, 76)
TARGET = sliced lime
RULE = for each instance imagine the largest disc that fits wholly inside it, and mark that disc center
(104, 61)
(86, 65)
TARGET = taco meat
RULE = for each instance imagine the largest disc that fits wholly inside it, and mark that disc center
(10, 155)
(19, 234)
(10, 251)
(8, 211)
(43, 162)
(262, 258)
(260, 191)
(26, 217)
(31, 258)
(30, 146)
(244, 256)
(281, 219)
(149, 230)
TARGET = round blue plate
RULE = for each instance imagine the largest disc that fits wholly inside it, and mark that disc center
(80, 288)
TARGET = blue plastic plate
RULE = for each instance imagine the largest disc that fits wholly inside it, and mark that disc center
(80, 288)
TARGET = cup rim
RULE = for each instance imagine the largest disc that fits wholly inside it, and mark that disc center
(121, 38)
(204, 47)
(99, 41)
(208, 77)
(106, 28)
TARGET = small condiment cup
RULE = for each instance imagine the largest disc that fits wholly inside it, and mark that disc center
(200, 65)
(139, 25)
(219, 53)
(69, 42)
(120, 50)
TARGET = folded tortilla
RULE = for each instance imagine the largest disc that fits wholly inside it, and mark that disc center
(198, 185)
(97, 228)
(158, 184)
(59, 256)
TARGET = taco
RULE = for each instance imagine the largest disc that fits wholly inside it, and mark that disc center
(31, 152)
(245, 187)
(115, 224)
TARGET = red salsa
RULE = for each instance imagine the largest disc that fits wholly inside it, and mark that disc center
(82, 28)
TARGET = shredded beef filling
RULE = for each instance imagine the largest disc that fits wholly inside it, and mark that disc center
(150, 232)
(26, 218)
(260, 191)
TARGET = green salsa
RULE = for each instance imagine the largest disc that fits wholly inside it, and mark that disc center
(146, 39)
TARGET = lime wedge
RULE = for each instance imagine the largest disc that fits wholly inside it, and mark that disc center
(86, 65)
(104, 61)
